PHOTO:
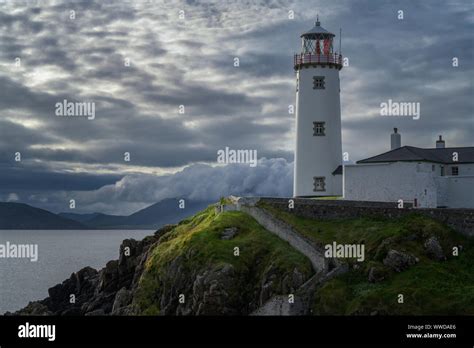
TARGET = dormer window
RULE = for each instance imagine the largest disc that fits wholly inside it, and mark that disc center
(318, 82)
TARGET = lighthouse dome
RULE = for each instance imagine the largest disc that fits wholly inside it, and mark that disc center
(317, 32)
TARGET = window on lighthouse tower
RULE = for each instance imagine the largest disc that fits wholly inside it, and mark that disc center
(319, 183)
(318, 82)
(318, 128)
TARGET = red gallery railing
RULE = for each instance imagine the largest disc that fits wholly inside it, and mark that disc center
(314, 58)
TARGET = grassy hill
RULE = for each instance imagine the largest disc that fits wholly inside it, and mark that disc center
(430, 287)
(195, 250)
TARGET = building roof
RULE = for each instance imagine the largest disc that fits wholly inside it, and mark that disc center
(437, 155)
(338, 170)
(317, 31)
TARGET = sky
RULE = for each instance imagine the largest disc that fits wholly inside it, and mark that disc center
(142, 63)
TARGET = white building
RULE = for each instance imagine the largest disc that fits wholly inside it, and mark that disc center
(434, 177)
(318, 151)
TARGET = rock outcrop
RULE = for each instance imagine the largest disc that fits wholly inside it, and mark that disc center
(229, 233)
(92, 292)
(434, 249)
(180, 287)
(376, 274)
(399, 261)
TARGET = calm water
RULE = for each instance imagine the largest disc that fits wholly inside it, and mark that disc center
(60, 253)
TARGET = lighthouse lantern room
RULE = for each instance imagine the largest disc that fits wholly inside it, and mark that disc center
(318, 150)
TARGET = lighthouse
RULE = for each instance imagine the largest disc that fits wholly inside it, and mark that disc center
(318, 150)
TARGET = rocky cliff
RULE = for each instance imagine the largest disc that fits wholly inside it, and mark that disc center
(92, 292)
(210, 264)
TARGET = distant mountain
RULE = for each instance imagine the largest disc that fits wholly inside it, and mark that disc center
(23, 216)
(164, 212)
(16, 216)
(98, 220)
(82, 218)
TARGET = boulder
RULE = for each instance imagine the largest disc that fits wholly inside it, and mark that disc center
(109, 277)
(229, 233)
(376, 274)
(97, 312)
(122, 299)
(399, 261)
(130, 251)
(433, 249)
(384, 247)
(59, 295)
(86, 283)
(103, 301)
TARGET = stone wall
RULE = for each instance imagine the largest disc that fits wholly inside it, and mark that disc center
(220, 208)
(333, 202)
(305, 246)
(461, 220)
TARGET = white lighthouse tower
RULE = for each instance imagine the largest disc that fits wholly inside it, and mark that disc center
(318, 152)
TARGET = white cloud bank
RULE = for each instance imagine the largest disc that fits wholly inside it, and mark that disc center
(271, 177)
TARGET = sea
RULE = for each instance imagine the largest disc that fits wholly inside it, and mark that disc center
(59, 254)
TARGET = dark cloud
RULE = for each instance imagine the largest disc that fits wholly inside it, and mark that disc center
(14, 178)
(21, 20)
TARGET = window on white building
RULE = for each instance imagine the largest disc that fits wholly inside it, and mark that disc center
(455, 171)
(319, 183)
(318, 82)
(319, 129)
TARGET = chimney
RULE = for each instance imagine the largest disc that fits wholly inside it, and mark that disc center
(395, 140)
(440, 144)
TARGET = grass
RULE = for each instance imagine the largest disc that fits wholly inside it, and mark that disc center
(196, 241)
(377, 234)
(430, 287)
(327, 198)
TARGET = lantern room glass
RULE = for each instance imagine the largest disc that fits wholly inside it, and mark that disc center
(322, 46)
